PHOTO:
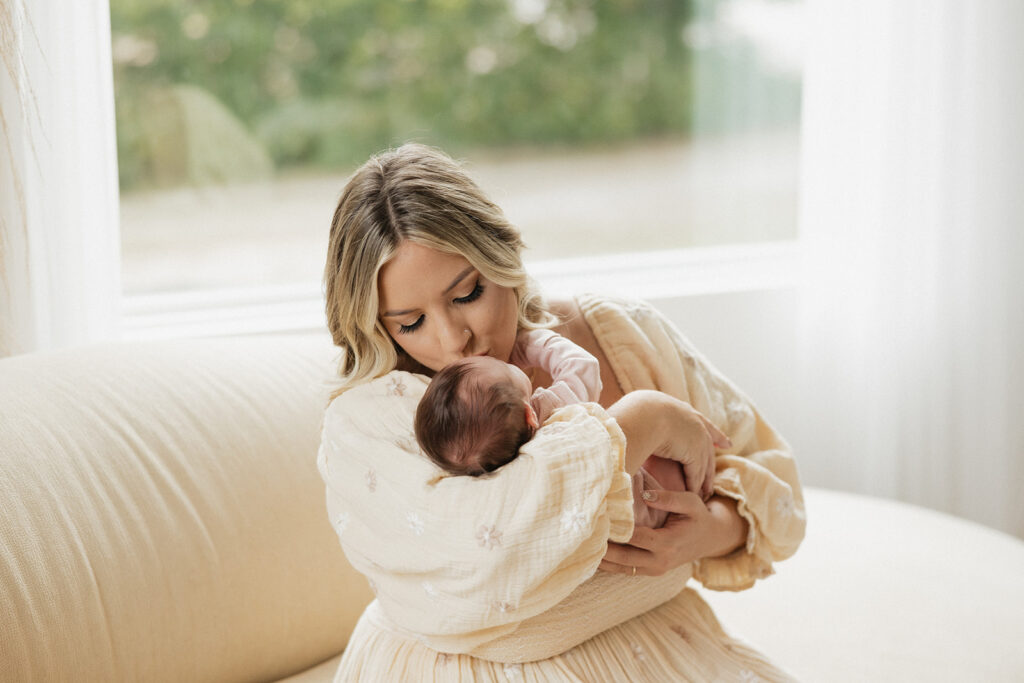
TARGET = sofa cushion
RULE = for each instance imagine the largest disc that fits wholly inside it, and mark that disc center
(163, 518)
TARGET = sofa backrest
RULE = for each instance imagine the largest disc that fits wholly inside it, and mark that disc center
(161, 514)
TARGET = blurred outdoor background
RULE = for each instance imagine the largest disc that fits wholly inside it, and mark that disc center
(600, 126)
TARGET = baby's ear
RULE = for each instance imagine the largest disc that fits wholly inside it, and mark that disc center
(531, 416)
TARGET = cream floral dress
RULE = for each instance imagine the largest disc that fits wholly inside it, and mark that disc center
(495, 578)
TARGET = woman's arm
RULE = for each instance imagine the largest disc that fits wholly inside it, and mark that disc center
(757, 515)
(655, 423)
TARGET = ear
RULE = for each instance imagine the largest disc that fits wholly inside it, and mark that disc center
(531, 416)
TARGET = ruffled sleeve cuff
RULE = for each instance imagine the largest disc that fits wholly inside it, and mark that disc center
(775, 517)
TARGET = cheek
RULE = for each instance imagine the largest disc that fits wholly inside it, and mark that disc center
(405, 342)
(418, 347)
(505, 323)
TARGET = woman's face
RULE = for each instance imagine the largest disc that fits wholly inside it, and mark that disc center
(439, 308)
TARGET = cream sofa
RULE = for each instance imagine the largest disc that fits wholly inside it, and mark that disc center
(163, 520)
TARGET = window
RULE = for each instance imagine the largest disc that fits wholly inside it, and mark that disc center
(600, 126)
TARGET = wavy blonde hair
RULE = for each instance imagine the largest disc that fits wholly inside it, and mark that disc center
(415, 193)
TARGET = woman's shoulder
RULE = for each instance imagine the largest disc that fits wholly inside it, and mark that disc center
(598, 315)
(604, 326)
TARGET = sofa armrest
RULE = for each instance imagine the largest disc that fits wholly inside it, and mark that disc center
(163, 518)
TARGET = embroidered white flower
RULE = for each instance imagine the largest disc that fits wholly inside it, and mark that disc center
(784, 506)
(553, 428)
(639, 653)
(415, 523)
(573, 521)
(737, 412)
(430, 590)
(396, 387)
(371, 480)
(341, 522)
(408, 444)
(637, 311)
(488, 536)
(503, 606)
(513, 672)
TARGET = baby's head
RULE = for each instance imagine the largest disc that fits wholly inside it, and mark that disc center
(475, 414)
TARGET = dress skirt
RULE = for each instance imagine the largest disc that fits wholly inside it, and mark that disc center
(681, 640)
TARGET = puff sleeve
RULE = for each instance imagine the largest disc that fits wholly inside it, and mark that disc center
(648, 352)
(492, 550)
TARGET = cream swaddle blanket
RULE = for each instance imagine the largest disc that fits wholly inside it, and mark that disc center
(460, 562)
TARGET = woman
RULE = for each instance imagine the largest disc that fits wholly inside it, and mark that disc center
(493, 578)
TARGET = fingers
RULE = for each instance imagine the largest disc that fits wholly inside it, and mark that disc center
(718, 437)
(645, 538)
(628, 570)
(679, 502)
(720, 440)
(709, 484)
(694, 474)
(620, 555)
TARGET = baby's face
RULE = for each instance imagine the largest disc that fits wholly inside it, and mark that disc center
(489, 371)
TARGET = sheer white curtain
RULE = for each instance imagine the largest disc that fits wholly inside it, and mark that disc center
(912, 219)
(59, 245)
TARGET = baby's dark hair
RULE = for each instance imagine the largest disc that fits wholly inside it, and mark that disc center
(467, 428)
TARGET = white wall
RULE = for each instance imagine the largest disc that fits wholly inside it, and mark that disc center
(751, 337)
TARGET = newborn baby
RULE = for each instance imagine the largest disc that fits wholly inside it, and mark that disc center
(477, 412)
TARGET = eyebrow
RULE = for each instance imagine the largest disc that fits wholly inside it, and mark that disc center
(458, 278)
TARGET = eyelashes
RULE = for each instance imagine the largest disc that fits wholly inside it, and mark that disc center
(406, 329)
(472, 296)
(478, 290)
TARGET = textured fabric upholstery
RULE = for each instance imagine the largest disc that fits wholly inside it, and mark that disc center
(163, 518)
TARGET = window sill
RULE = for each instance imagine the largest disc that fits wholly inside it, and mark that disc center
(298, 308)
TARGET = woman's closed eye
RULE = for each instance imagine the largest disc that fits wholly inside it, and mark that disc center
(478, 289)
(406, 329)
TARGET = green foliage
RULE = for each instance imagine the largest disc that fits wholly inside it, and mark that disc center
(327, 82)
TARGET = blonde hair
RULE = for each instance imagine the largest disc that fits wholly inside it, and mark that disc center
(419, 194)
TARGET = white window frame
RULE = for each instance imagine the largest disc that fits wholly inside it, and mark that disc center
(651, 275)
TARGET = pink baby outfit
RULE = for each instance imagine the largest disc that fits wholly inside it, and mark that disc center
(575, 378)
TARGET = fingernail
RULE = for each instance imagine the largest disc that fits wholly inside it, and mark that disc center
(650, 495)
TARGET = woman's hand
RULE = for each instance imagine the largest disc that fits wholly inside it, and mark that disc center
(694, 439)
(658, 424)
(694, 530)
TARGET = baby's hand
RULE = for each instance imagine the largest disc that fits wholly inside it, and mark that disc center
(667, 473)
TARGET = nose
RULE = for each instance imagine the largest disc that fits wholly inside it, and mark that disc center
(454, 337)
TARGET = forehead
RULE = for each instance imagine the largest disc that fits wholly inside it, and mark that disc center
(416, 272)
(487, 369)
